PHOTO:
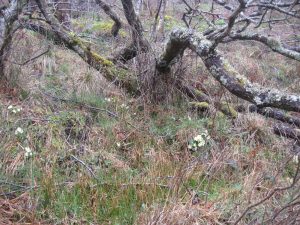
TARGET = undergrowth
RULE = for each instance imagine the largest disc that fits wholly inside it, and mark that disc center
(79, 151)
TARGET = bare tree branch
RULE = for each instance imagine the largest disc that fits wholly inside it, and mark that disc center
(275, 45)
(223, 72)
(109, 11)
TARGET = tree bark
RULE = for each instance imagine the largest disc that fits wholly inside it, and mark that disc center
(139, 43)
(83, 49)
(223, 72)
(108, 10)
(8, 16)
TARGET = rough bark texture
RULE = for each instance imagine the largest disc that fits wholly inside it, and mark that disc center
(276, 114)
(8, 15)
(243, 88)
(139, 43)
(273, 44)
(287, 131)
(223, 72)
(108, 10)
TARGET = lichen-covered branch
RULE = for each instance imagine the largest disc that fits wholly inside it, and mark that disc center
(177, 43)
(83, 49)
(223, 72)
(275, 45)
(240, 86)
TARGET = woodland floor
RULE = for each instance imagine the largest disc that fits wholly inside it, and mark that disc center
(103, 157)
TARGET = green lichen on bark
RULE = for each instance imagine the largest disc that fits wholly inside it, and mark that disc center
(199, 105)
(228, 110)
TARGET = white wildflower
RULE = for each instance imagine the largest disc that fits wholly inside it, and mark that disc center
(14, 109)
(201, 143)
(28, 152)
(296, 159)
(124, 106)
(118, 144)
(107, 99)
(198, 138)
(19, 130)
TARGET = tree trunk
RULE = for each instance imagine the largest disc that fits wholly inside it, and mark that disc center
(139, 43)
(8, 16)
(108, 10)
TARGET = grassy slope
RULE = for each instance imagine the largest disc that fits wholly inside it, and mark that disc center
(91, 167)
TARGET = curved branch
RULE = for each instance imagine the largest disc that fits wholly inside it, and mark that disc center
(275, 45)
(139, 43)
(243, 88)
(274, 7)
(231, 21)
(108, 10)
(223, 72)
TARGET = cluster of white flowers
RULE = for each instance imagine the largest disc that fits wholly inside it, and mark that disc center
(199, 141)
(28, 152)
(19, 131)
(296, 159)
(107, 99)
(14, 109)
(124, 106)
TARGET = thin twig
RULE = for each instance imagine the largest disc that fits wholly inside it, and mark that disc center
(85, 165)
(295, 180)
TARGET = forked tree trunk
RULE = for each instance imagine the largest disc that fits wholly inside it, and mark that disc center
(138, 43)
(179, 40)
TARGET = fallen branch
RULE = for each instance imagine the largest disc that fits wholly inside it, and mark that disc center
(223, 72)
(287, 131)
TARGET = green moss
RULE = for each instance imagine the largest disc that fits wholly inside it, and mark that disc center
(168, 18)
(123, 33)
(99, 58)
(199, 105)
(231, 71)
(228, 110)
(104, 26)
(220, 22)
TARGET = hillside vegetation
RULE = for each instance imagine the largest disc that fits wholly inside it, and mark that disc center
(76, 149)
